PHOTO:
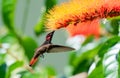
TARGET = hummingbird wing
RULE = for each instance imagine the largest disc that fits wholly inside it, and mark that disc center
(59, 48)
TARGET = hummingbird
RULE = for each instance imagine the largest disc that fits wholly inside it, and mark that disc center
(48, 47)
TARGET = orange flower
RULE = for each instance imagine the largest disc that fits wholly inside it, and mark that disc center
(78, 14)
(85, 28)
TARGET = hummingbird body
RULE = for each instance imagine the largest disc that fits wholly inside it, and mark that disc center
(42, 49)
(48, 47)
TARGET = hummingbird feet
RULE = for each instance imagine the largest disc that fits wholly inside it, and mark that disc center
(42, 55)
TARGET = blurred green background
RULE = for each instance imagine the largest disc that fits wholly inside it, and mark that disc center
(35, 9)
(22, 31)
(26, 15)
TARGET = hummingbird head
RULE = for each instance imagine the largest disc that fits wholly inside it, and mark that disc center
(49, 36)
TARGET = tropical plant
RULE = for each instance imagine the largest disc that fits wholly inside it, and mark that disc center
(94, 31)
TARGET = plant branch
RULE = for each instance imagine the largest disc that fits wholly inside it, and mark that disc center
(16, 58)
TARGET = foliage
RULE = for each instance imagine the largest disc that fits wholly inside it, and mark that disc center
(39, 28)
(17, 49)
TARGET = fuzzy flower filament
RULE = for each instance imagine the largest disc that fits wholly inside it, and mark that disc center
(81, 11)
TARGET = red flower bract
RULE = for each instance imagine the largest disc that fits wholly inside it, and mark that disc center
(85, 28)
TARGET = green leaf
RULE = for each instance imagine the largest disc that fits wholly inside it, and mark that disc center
(115, 25)
(36, 74)
(8, 9)
(108, 44)
(118, 57)
(118, 60)
(2, 59)
(110, 64)
(97, 72)
(86, 55)
(13, 67)
(3, 70)
(29, 75)
(111, 25)
(89, 39)
(50, 4)
(8, 38)
(47, 72)
(72, 57)
(50, 71)
(0, 6)
(39, 27)
(83, 61)
(29, 45)
(22, 73)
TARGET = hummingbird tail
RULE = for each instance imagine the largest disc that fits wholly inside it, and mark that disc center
(33, 60)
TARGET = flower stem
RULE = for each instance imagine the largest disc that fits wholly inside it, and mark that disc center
(16, 58)
(12, 55)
